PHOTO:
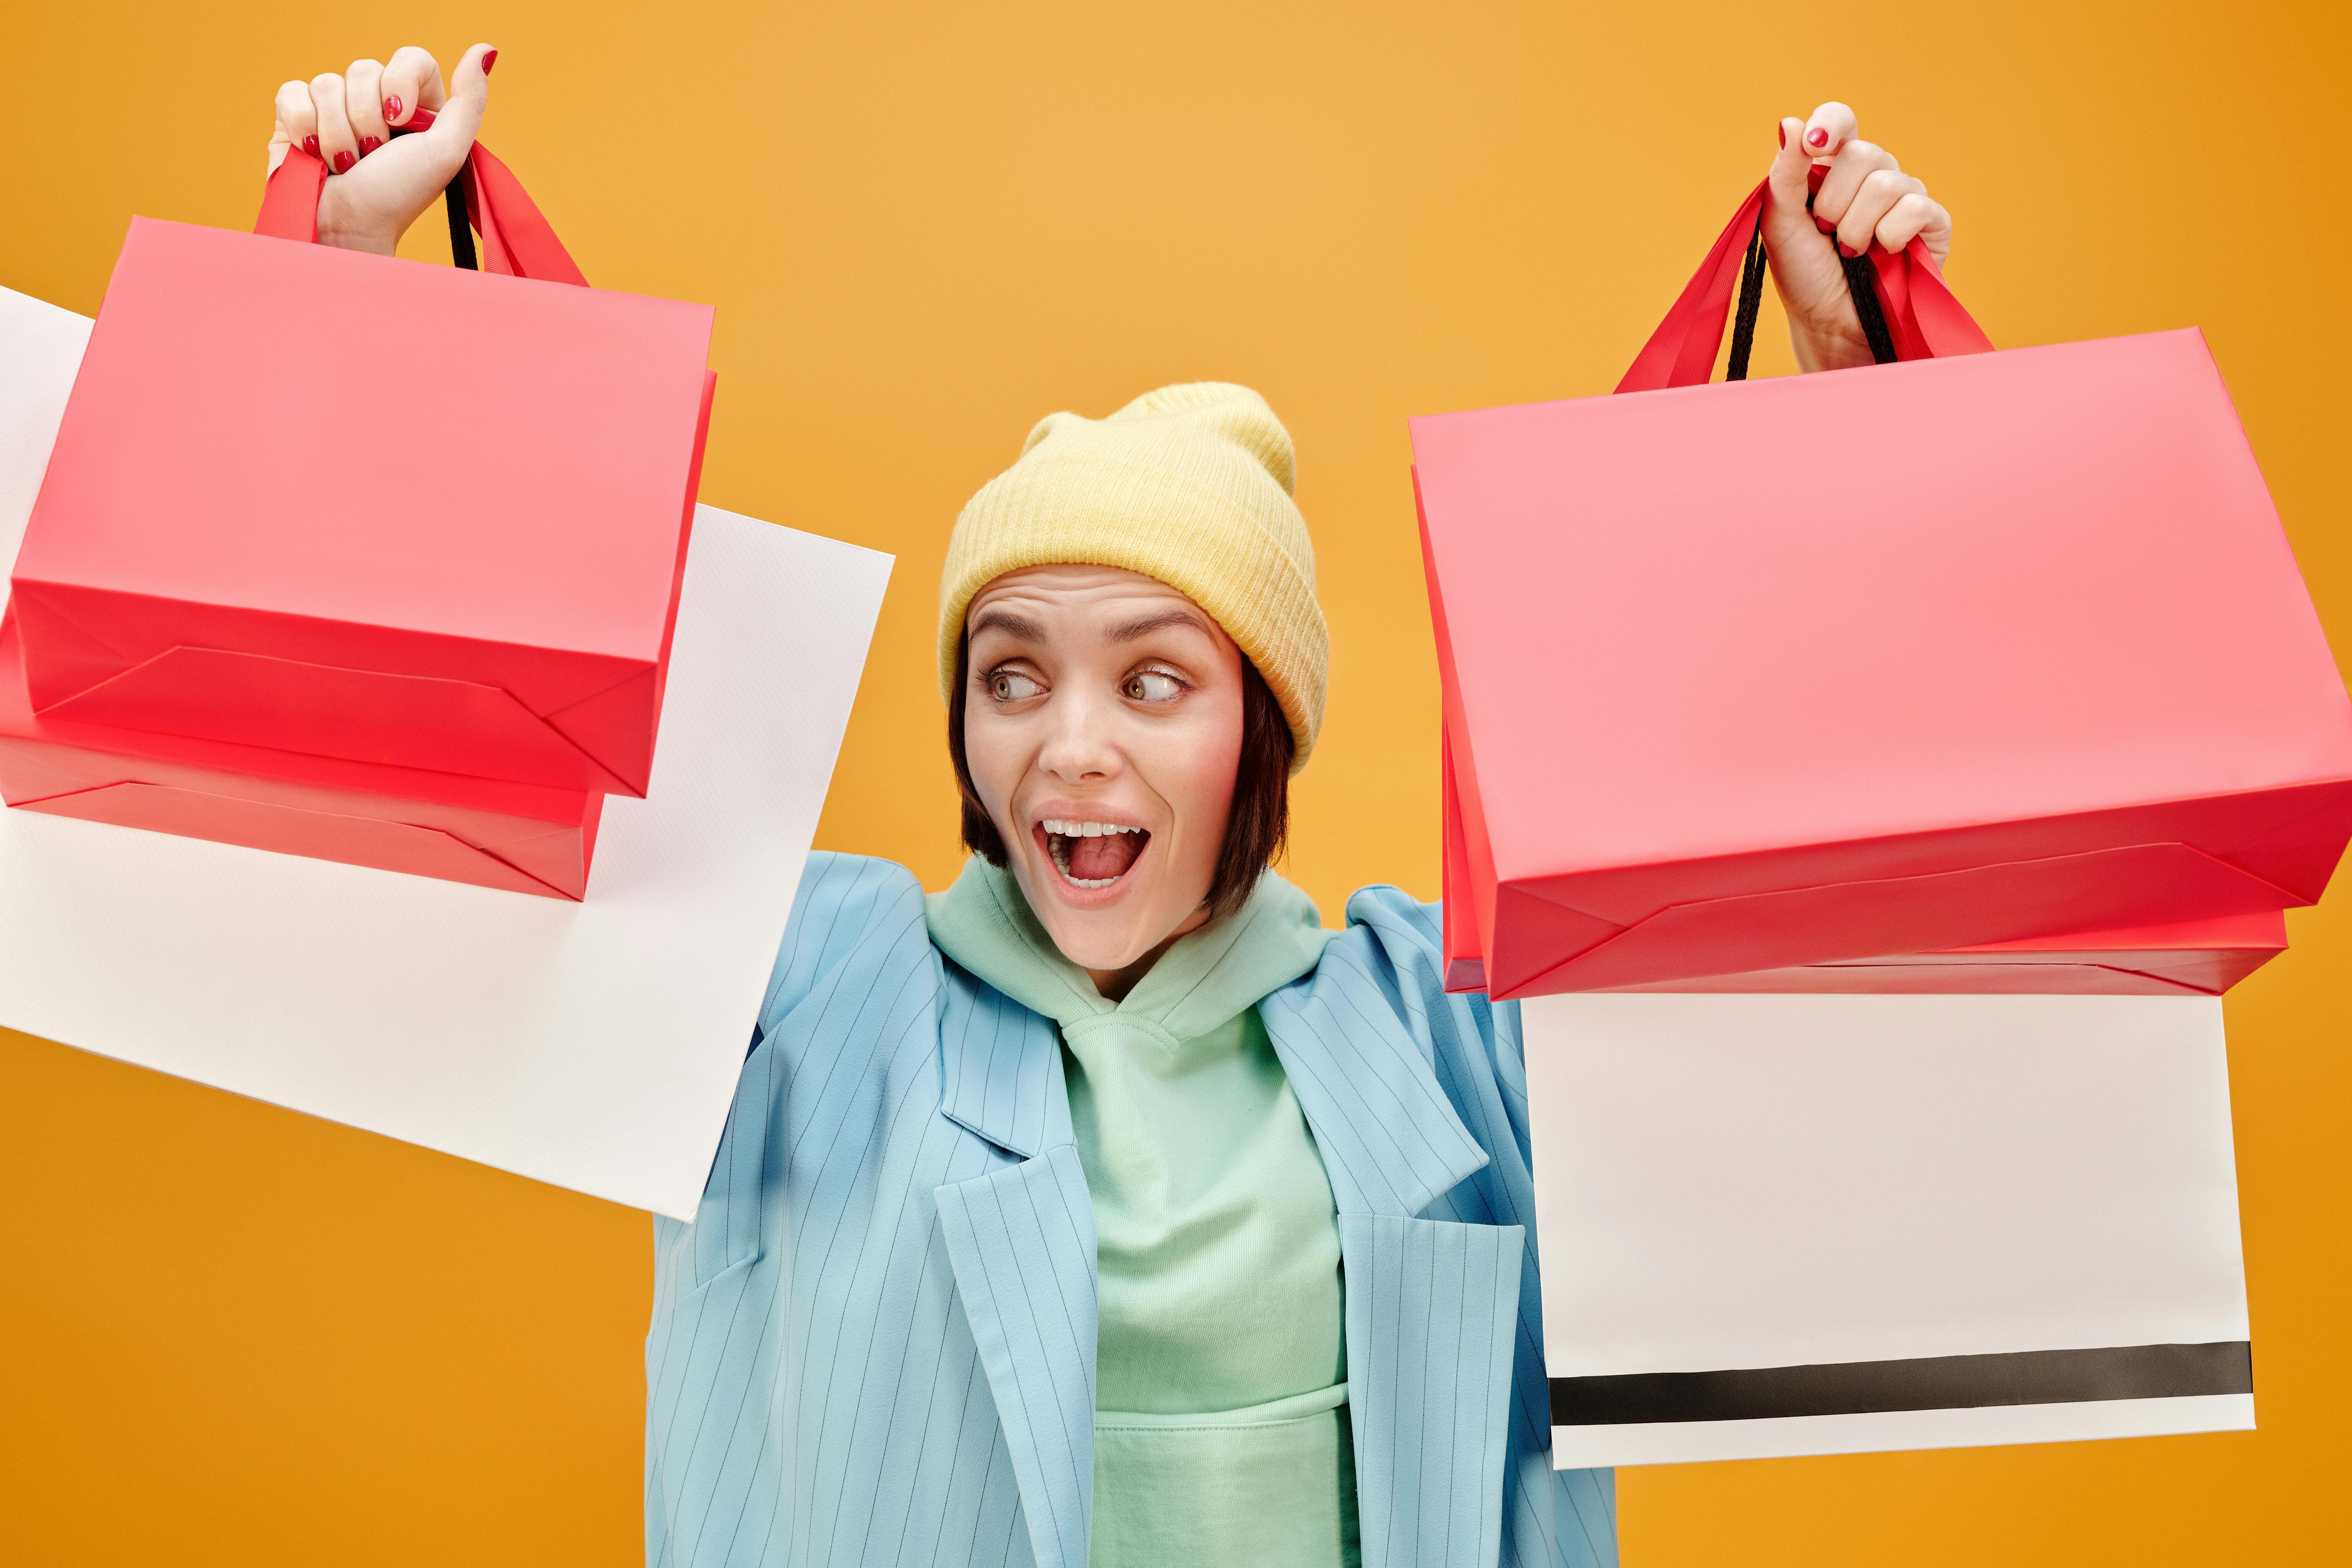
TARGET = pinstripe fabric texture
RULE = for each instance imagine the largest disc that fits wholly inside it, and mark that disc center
(1395, 1077)
(1007, 1232)
(874, 1344)
(1443, 1285)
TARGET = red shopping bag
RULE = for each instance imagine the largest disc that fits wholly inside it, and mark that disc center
(351, 507)
(2034, 658)
(527, 838)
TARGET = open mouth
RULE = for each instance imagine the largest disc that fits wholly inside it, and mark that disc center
(1092, 854)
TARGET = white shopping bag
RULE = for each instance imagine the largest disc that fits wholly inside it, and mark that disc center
(593, 1044)
(1780, 1225)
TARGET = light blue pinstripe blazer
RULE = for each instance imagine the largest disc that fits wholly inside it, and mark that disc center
(875, 1343)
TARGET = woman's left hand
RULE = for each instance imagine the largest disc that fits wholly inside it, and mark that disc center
(1865, 197)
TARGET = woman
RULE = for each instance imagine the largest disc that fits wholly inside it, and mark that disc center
(1106, 1207)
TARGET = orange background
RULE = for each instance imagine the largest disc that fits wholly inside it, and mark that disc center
(237, 1335)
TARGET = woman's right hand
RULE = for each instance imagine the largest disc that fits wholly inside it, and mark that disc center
(378, 184)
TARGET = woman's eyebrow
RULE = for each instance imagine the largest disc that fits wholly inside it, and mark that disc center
(1007, 622)
(1145, 626)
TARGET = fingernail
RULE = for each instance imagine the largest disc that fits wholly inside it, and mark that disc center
(391, 109)
(1848, 251)
(369, 144)
(1825, 225)
(489, 60)
(1784, 134)
(343, 162)
(311, 145)
(1817, 137)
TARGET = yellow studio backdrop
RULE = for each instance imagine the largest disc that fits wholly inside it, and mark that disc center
(235, 1334)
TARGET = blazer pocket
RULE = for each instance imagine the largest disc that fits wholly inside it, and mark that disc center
(734, 1271)
(728, 1222)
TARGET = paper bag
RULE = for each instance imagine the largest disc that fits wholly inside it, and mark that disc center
(2042, 663)
(1804, 1224)
(342, 504)
(595, 1045)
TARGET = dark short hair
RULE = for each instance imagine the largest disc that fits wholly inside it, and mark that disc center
(1260, 818)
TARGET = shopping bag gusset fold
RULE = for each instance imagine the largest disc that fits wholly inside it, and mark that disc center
(527, 838)
(2203, 957)
(338, 504)
(2035, 659)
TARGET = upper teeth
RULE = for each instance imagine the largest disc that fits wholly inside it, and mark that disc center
(1086, 830)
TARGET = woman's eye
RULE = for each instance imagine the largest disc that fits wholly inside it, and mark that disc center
(1007, 686)
(1151, 686)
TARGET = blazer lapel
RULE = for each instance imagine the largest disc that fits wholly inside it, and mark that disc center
(1388, 1137)
(1021, 1240)
(1433, 1305)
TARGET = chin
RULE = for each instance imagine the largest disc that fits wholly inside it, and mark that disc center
(1092, 931)
(1086, 944)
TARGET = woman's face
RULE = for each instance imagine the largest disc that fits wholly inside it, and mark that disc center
(1103, 729)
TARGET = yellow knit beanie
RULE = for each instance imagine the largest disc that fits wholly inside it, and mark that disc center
(1190, 485)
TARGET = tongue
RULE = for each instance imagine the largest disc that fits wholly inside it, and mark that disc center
(1092, 859)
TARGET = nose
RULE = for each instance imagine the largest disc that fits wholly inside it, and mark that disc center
(1079, 746)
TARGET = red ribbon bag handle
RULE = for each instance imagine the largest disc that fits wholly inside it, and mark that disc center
(517, 240)
(1909, 313)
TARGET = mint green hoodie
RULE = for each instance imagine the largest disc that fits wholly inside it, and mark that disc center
(1221, 1428)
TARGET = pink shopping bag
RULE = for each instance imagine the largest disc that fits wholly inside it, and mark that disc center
(2036, 660)
(352, 507)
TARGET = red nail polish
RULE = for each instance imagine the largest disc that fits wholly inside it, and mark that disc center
(343, 162)
(1817, 137)
(391, 109)
(311, 145)
(1825, 225)
(1784, 135)
(1848, 251)
(489, 60)
(369, 144)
